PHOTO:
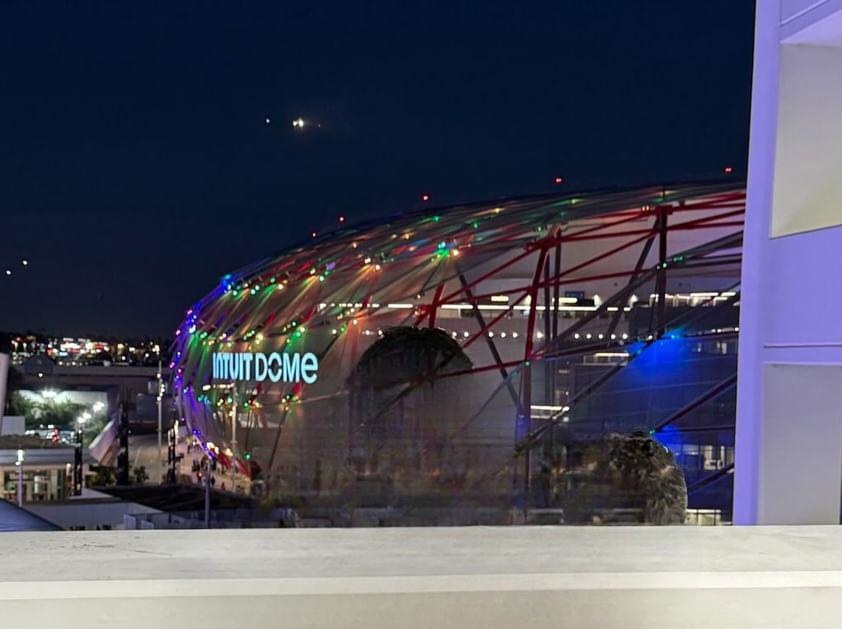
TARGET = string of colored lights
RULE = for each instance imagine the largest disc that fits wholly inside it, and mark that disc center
(361, 277)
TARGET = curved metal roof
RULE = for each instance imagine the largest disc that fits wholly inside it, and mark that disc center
(404, 269)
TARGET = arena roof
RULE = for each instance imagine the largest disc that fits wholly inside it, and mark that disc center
(479, 264)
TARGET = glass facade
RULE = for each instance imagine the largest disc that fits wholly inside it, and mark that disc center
(564, 359)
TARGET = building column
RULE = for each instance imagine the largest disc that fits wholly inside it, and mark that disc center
(788, 459)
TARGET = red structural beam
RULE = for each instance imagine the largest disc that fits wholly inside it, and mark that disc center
(629, 217)
(602, 276)
(589, 234)
(487, 275)
(644, 234)
(700, 223)
(533, 295)
(434, 307)
(494, 321)
(578, 267)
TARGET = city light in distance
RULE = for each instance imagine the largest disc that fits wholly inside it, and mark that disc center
(425, 197)
(298, 123)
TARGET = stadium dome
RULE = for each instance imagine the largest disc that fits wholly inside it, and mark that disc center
(444, 352)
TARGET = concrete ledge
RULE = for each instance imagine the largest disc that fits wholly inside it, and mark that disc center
(440, 578)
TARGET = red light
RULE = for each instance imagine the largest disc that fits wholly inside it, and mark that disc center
(728, 170)
(425, 197)
(341, 219)
(313, 234)
(558, 180)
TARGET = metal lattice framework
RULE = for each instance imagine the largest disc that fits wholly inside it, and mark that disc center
(485, 262)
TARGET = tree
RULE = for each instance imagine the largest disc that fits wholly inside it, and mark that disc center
(140, 474)
(103, 476)
(622, 474)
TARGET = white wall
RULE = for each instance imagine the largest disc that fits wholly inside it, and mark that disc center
(808, 181)
(791, 300)
(800, 436)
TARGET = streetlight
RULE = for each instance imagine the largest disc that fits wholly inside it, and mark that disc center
(77, 453)
(19, 465)
(234, 438)
(161, 388)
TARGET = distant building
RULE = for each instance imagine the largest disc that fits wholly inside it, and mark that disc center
(47, 468)
(135, 386)
(70, 351)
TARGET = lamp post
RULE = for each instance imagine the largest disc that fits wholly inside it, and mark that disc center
(161, 388)
(207, 491)
(234, 439)
(19, 464)
(77, 453)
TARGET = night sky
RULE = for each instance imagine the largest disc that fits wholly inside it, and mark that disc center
(136, 165)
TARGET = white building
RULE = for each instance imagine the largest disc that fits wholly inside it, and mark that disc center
(789, 415)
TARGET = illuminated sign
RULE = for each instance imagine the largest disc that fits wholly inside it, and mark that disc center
(257, 366)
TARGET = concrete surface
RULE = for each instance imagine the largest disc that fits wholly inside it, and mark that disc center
(513, 578)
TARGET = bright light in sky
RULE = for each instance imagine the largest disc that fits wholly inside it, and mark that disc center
(298, 123)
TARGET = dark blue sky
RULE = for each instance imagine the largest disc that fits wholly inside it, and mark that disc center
(136, 167)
